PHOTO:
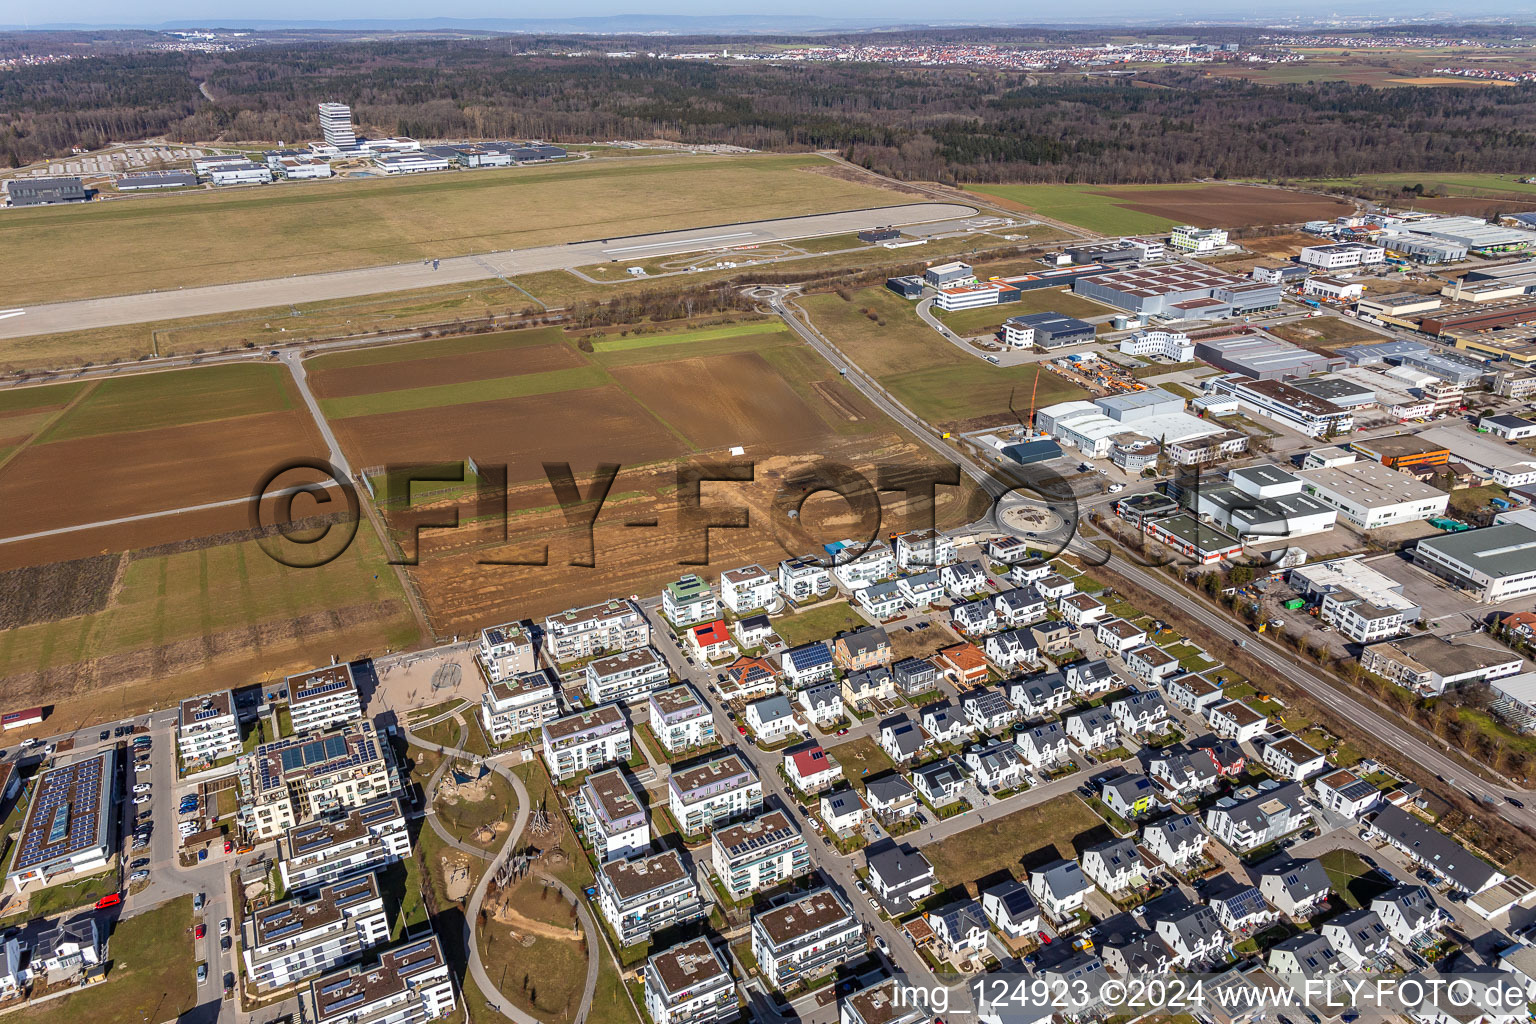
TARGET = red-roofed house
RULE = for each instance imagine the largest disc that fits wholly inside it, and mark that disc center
(812, 770)
(1521, 625)
(712, 641)
(749, 679)
(965, 662)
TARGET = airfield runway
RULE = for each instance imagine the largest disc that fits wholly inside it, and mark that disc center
(147, 307)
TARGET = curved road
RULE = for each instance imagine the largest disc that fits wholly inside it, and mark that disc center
(488, 988)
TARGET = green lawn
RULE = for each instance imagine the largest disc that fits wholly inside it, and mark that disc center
(68, 895)
(153, 976)
(818, 622)
(1040, 833)
(22, 399)
(573, 378)
(1353, 880)
(860, 759)
(435, 349)
(1486, 185)
(1095, 207)
(175, 398)
(679, 337)
(1043, 300)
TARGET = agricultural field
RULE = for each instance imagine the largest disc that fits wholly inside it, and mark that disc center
(988, 319)
(127, 614)
(647, 400)
(1471, 194)
(172, 241)
(926, 373)
(1132, 209)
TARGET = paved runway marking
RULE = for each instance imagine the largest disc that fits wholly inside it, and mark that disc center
(684, 241)
(6, 314)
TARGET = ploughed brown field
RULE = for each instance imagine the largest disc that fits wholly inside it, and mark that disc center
(1231, 206)
(448, 368)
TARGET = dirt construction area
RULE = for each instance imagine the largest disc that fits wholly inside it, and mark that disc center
(1234, 206)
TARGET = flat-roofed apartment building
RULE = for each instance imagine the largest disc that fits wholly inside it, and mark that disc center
(519, 703)
(586, 739)
(641, 897)
(680, 720)
(627, 676)
(68, 827)
(411, 983)
(207, 729)
(718, 790)
(295, 940)
(323, 697)
(612, 815)
(689, 984)
(614, 625)
(1371, 496)
(805, 939)
(687, 601)
(322, 852)
(759, 854)
(298, 778)
(507, 650)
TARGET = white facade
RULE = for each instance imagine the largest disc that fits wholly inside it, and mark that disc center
(758, 854)
(615, 625)
(323, 697)
(519, 704)
(207, 728)
(410, 984)
(705, 795)
(747, 589)
(1343, 254)
(323, 852)
(689, 984)
(1197, 240)
(1172, 345)
(585, 740)
(627, 676)
(506, 651)
(297, 939)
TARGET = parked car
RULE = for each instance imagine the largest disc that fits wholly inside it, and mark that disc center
(105, 734)
(200, 931)
(873, 905)
(142, 766)
(881, 946)
(142, 798)
(225, 943)
(111, 899)
(142, 862)
(197, 901)
(224, 926)
(138, 876)
(142, 787)
(202, 973)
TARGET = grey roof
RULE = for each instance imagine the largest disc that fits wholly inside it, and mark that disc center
(888, 789)
(959, 918)
(1363, 927)
(1130, 787)
(988, 702)
(940, 716)
(1301, 879)
(1314, 954)
(1177, 830)
(904, 734)
(1414, 903)
(898, 866)
(1063, 878)
(1017, 902)
(865, 639)
(1508, 549)
(1117, 853)
(1097, 718)
(771, 709)
(1434, 848)
(938, 774)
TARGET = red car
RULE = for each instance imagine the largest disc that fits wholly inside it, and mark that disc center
(228, 846)
(741, 729)
(203, 930)
(111, 899)
(1045, 940)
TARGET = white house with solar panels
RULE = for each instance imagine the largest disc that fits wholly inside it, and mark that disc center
(323, 852)
(411, 983)
(323, 697)
(207, 729)
(296, 779)
(301, 938)
(68, 827)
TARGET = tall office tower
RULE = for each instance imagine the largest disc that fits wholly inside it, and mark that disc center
(336, 123)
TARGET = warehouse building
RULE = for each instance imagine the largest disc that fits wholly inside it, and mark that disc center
(237, 171)
(1473, 232)
(1156, 291)
(1397, 307)
(1426, 250)
(1234, 508)
(1334, 288)
(1088, 428)
(146, 181)
(1371, 496)
(1137, 407)
(45, 191)
(1341, 255)
(1377, 353)
(1029, 452)
(1430, 665)
(1485, 316)
(1363, 603)
(1108, 253)
(410, 163)
(68, 826)
(1298, 410)
(906, 287)
(1261, 357)
(1494, 564)
(1282, 274)
(1392, 395)
(1056, 277)
(1450, 369)
(1344, 393)
(1046, 330)
(1510, 428)
(1403, 451)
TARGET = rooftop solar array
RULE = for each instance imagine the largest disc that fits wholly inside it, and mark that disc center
(330, 753)
(65, 813)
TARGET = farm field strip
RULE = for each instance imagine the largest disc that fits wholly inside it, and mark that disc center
(575, 378)
(1131, 209)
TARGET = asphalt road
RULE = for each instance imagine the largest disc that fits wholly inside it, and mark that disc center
(148, 307)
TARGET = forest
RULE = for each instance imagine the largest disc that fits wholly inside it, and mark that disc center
(944, 124)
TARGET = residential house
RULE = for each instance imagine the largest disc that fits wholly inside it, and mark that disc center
(1115, 866)
(507, 650)
(65, 949)
(988, 710)
(964, 663)
(1055, 587)
(863, 648)
(1011, 551)
(750, 678)
(1225, 755)
(1245, 825)
(914, 677)
(812, 770)
(1060, 888)
(1130, 950)
(1129, 796)
(844, 811)
(322, 697)
(822, 703)
(628, 676)
(1190, 930)
(804, 578)
(409, 982)
(688, 601)
(519, 703)
(774, 719)
(900, 875)
(1178, 841)
(1309, 956)
(1081, 974)
(1296, 888)
(366, 839)
(705, 795)
(922, 590)
(1290, 758)
(1359, 936)
(1054, 636)
(964, 579)
(1141, 714)
(747, 589)
(1012, 649)
(1029, 571)
(612, 816)
(1434, 850)
(578, 633)
(711, 641)
(807, 664)
(880, 1002)
(1018, 607)
(1118, 635)
(290, 941)
(861, 690)
(995, 767)
(641, 897)
(855, 571)
(1184, 774)
(1410, 913)
(890, 797)
(806, 938)
(1039, 696)
(1093, 729)
(945, 722)
(924, 549)
(961, 929)
(940, 782)
(1192, 693)
(680, 720)
(1090, 679)
(974, 618)
(901, 739)
(585, 740)
(1151, 663)
(758, 854)
(1081, 611)
(689, 984)
(1236, 721)
(752, 631)
(1239, 906)
(1043, 747)
(882, 600)
(1012, 909)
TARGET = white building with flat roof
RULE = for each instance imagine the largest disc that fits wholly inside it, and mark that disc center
(1493, 565)
(297, 939)
(612, 816)
(758, 854)
(680, 720)
(586, 739)
(806, 938)
(747, 589)
(606, 628)
(323, 697)
(689, 984)
(322, 852)
(628, 676)
(410, 984)
(720, 789)
(207, 729)
(507, 650)
(68, 827)
(519, 703)
(1372, 496)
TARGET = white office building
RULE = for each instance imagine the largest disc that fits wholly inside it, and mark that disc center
(336, 125)
(1341, 255)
